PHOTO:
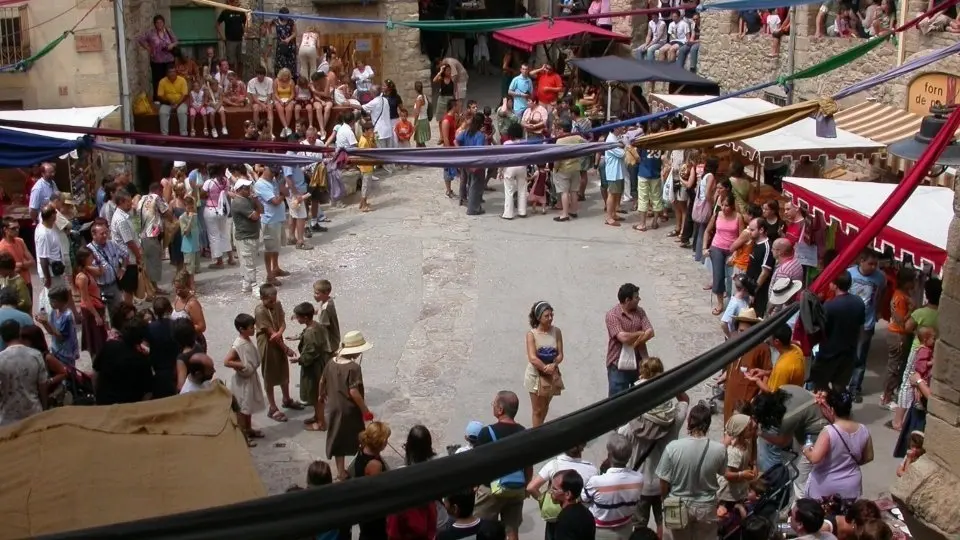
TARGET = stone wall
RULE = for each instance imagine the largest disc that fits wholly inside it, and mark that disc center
(737, 63)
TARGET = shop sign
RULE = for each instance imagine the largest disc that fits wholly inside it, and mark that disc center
(929, 88)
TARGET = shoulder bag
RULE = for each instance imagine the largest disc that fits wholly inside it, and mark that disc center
(701, 206)
(511, 486)
(676, 514)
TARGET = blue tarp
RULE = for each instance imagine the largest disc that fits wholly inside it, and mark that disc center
(22, 149)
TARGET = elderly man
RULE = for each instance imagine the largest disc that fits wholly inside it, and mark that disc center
(507, 506)
(154, 213)
(43, 189)
(246, 211)
(613, 496)
(200, 372)
(110, 259)
(123, 233)
(66, 211)
(50, 258)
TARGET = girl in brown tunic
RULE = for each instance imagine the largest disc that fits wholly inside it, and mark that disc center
(342, 389)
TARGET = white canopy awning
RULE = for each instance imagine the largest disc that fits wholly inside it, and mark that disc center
(918, 228)
(796, 140)
(84, 117)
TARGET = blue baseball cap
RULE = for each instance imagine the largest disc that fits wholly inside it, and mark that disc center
(473, 429)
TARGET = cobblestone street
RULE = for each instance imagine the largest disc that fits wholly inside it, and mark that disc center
(444, 298)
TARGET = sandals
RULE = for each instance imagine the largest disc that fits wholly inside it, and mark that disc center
(673, 233)
(640, 227)
(612, 223)
(276, 415)
(685, 245)
(562, 218)
(293, 405)
(313, 426)
(282, 273)
(717, 311)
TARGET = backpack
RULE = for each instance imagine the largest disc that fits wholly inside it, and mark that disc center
(511, 486)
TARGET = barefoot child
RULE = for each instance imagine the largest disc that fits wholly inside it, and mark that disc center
(367, 140)
(312, 360)
(245, 385)
(273, 352)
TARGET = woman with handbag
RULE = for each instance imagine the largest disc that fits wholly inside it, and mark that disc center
(544, 355)
(216, 216)
(840, 450)
(703, 203)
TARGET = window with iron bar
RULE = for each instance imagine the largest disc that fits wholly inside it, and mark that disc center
(14, 35)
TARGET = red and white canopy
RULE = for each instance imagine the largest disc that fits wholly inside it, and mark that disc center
(918, 229)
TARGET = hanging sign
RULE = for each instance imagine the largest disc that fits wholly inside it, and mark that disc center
(929, 88)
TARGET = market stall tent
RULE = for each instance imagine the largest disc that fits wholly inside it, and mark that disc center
(84, 117)
(795, 141)
(528, 37)
(919, 229)
(629, 70)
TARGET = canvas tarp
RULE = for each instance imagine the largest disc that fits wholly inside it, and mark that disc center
(629, 70)
(528, 37)
(79, 467)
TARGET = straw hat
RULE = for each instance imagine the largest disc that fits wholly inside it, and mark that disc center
(783, 289)
(354, 343)
(748, 315)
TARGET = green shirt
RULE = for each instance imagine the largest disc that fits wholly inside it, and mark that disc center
(569, 166)
(246, 228)
(925, 316)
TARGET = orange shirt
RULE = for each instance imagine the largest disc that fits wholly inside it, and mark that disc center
(404, 130)
(548, 80)
(900, 309)
(19, 252)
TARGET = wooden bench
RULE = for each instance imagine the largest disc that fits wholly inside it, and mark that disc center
(236, 116)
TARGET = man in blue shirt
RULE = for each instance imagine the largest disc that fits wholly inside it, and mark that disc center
(521, 89)
(649, 192)
(271, 196)
(868, 284)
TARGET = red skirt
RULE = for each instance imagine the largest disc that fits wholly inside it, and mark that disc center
(92, 336)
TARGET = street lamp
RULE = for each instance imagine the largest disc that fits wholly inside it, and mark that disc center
(911, 149)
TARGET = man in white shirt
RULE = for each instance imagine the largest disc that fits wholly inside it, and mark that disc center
(316, 213)
(570, 460)
(260, 90)
(50, 263)
(200, 373)
(806, 519)
(613, 496)
(656, 38)
(677, 34)
(379, 110)
(344, 137)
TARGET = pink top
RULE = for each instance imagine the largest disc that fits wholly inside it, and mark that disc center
(213, 187)
(726, 232)
(600, 6)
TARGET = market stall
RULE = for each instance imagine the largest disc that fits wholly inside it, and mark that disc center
(917, 233)
(795, 141)
(549, 32)
(616, 69)
(77, 169)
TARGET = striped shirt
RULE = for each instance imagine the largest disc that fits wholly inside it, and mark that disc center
(612, 496)
(788, 268)
(121, 228)
(109, 257)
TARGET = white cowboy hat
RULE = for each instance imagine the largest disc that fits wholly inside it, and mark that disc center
(354, 343)
(783, 289)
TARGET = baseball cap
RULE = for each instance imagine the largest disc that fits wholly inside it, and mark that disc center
(473, 429)
(242, 183)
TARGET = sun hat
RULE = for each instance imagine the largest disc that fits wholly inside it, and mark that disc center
(354, 343)
(783, 289)
(748, 315)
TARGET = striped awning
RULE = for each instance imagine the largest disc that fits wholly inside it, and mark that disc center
(886, 125)
(879, 122)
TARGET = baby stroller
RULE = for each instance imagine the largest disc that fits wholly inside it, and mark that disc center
(76, 389)
(779, 482)
(717, 393)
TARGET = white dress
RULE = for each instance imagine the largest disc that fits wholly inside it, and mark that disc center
(245, 383)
